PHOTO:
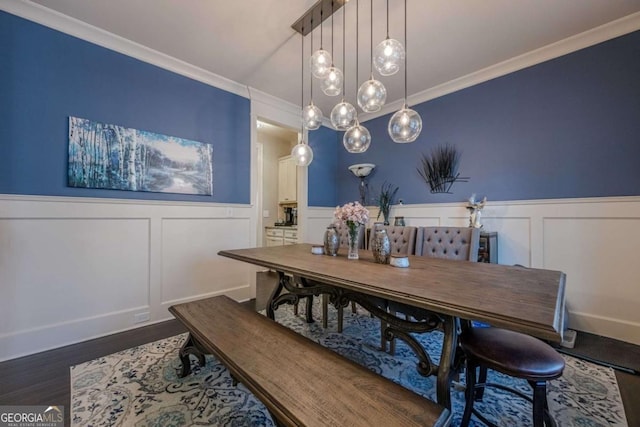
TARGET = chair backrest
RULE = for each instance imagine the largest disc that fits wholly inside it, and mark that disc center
(457, 243)
(343, 236)
(402, 239)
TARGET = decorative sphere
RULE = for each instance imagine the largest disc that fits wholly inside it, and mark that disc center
(343, 116)
(388, 56)
(405, 125)
(311, 117)
(356, 139)
(372, 96)
(302, 154)
(332, 82)
(320, 63)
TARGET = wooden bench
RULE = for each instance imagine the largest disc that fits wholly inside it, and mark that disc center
(299, 381)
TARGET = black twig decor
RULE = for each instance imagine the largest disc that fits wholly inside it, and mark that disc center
(439, 169)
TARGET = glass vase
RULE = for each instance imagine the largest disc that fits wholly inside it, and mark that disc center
(331, 241)
(381, 246)
(354, 232)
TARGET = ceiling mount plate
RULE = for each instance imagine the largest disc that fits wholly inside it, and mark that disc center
(318, 13)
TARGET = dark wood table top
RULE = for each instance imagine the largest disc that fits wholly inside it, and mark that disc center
(521, 299)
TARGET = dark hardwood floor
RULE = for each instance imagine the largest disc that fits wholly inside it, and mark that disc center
(43, 378)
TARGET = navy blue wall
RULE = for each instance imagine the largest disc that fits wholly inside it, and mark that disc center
(46, 76)
(569, 127)
(323, 170)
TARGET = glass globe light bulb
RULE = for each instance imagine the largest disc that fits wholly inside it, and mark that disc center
(343, 115)
(302, 154)
(311, 117)
(320, 63)
(332, 83)
(371, 96)
(356, 139)
(405, 125)
(388, 57)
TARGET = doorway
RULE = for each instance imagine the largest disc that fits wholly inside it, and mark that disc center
(273, 149)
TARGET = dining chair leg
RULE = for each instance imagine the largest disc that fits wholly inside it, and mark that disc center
(325, 310)
(354, 310)
(295, 309)
(469, 393)
(340, 318)
(482, 379)
(383, 342)
(539, 398)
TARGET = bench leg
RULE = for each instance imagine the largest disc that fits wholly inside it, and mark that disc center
(189, 347)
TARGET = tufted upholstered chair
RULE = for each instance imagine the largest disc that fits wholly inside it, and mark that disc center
(343, 233)
(455, 243)
(402, 239)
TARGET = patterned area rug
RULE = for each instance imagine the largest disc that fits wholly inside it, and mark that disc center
(140, 386)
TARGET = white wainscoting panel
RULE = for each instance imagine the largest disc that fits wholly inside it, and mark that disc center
(73, 269)
(599, 256)
(190, 264)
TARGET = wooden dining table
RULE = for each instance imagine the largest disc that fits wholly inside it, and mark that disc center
(526, 300)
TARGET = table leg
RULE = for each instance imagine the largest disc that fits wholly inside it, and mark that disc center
(309, 314)
(445, 371)
(276, 292)
(190, 346)
(325, 310)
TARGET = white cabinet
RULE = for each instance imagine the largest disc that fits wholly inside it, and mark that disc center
(290, 237)
(287, 180)
(279, 236)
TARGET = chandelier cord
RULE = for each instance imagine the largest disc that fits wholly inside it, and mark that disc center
(387, 19)
(321, 22)
(405, 53)
(371, 42)
(332, 51)
(357, 42)
(302, 69)
(344, 61)
(311, 79)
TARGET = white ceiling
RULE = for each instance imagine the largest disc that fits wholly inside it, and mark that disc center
(252, 42)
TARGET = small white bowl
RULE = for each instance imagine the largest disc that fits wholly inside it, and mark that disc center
(399, 261)
(317, 250)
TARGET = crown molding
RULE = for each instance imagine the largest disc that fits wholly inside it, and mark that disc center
(268, 99)
(608, 31)
(74, 27)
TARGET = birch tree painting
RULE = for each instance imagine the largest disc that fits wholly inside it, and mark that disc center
(118, 158)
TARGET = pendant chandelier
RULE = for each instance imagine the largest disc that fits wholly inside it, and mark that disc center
(388, 57)
(332, 81)
(389, 54)
(302, 153)
(343, 115)
(405, 125)
(321, 59)
(372, 94)
(311, 114)
(357, 138)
